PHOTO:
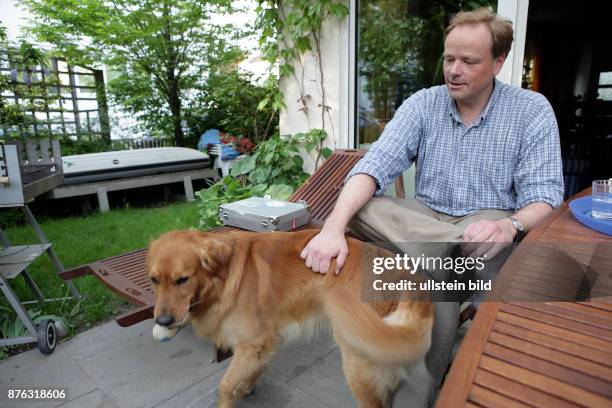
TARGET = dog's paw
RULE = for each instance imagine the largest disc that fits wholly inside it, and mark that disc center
(243, 391)
(251, 392)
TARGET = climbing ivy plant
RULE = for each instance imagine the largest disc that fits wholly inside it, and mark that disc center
(289, 29)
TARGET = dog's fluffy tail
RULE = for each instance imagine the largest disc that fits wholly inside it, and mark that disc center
(403, 337)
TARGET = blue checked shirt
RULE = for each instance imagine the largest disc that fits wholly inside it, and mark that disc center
(508, 158)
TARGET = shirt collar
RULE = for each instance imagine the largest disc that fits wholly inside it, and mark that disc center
(454, 112)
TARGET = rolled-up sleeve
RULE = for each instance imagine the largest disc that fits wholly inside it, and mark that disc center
(395, 150)
(539, 174)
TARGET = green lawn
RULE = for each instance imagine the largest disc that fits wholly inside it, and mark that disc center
(80, 240)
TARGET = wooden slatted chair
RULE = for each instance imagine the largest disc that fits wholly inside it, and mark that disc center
(126, 275)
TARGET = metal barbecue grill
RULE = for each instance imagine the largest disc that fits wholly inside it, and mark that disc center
(27, 170)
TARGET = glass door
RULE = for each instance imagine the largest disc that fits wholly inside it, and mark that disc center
(399, 51)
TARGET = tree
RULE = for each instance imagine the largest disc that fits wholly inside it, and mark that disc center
(157, 50)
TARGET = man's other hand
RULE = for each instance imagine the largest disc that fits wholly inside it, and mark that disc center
(487, 238)
(324, 247)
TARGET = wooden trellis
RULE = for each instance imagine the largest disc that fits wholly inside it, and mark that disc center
(75, 99)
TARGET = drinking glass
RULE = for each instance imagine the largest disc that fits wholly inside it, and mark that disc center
(602, 199)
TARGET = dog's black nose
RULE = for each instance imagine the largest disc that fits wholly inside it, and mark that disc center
(164, 320)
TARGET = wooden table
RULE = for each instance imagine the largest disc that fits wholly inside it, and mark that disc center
(542, 353)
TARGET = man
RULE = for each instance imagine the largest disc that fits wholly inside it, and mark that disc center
(488, 162)
(488, 167)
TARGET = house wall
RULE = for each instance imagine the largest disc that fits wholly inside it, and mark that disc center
(334, 56)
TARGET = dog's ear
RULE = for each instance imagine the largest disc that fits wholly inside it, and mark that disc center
(215, 255)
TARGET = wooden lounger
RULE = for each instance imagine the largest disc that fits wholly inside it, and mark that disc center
(125, 274)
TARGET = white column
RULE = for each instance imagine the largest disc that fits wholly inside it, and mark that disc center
(351, 83)
(516, 11)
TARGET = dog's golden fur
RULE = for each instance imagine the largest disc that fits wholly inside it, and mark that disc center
(248, 291)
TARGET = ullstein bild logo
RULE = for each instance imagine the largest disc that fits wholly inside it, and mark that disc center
(431, 285)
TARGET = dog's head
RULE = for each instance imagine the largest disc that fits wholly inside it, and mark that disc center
(186, 268)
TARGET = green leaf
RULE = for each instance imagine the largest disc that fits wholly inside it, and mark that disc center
(303, 44)
(260, 175)
(338, 10)
(326, 152)
(243, 166)
(207, 194)
(262, 105)
(309, 147)
(298, 161)
(275, 172)
(259, 190)
(269, 157)
(286, 70)
(280, 191)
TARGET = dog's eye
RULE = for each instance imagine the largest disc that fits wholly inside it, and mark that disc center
(181, 281)
(154, 280)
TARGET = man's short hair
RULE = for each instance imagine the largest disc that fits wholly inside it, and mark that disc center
(500, 28)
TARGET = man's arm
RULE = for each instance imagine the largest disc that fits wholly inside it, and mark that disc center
(531, 215)
(387, 158)
(502, 231)
(330, 242)
(538, 181)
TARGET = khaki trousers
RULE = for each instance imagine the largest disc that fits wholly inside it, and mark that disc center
(392, 220)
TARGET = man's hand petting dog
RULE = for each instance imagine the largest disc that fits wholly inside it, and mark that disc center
(323, 248)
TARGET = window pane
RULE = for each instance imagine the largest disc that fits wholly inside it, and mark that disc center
(604, 94)
(400, 45)
(605, 78)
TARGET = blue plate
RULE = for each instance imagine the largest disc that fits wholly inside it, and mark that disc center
(581, 209)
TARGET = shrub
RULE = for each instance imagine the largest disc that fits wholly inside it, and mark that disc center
(71, 147)
(274, 168)
(229, 102)
(275, 161)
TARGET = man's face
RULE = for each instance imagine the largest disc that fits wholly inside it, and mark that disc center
(469, 66)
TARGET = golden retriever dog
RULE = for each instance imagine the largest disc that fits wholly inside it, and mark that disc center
(249, 292)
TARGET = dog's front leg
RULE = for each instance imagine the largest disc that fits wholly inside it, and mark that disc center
(248, 362)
